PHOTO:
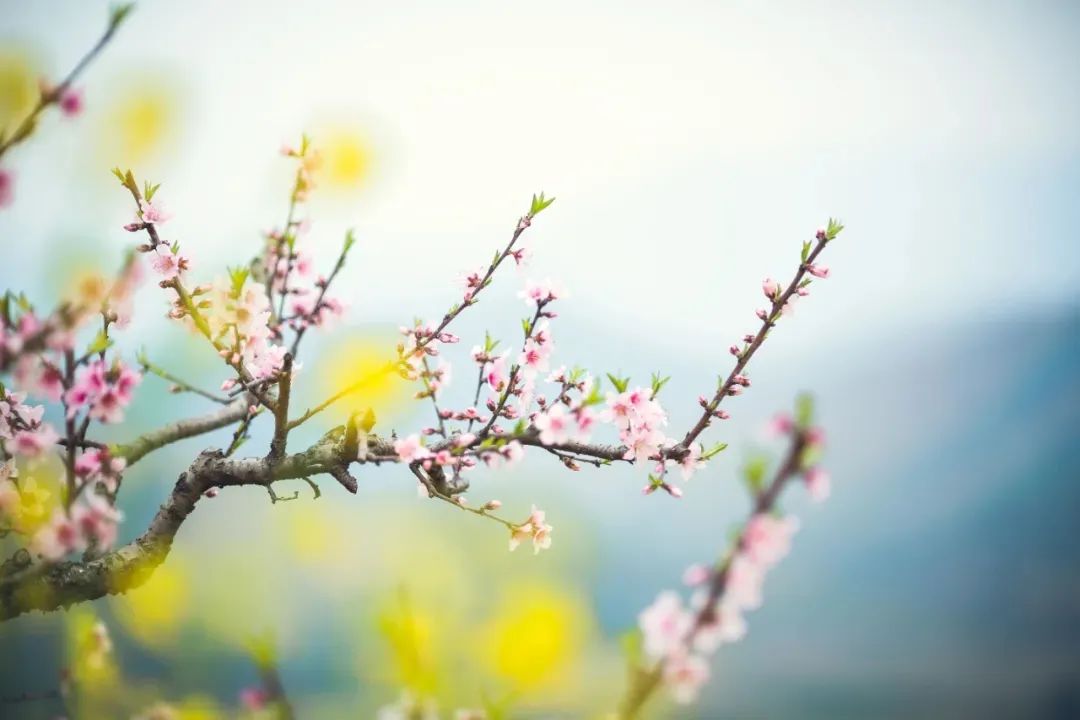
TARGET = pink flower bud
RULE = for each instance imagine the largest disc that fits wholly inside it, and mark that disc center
(770, 287)
(734, 350)
(492, 505)
(71, 102)
(7, 188)
(762, 314)
(820, 234)
(819, 271)
(211, 493)
(229, 384)
(695, 575)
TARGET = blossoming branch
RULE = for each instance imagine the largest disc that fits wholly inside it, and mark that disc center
(65, 378)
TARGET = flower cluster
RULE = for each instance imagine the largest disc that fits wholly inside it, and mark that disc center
(681, 637)
(106, 390)
(89, 523)
(96, 465)
(639, 418)
(238, 313)
(535, 529)
(22, 429)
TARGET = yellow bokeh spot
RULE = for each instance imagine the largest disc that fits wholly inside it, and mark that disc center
(138, 123)
(39, 494)
(346, 158)
(198, 707)
(535, 636)
(410, 633)
(154, 612)
(315, 537)
(365, 364)
(18, 88)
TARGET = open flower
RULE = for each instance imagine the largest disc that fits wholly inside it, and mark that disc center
(410, 449)
(535, 528)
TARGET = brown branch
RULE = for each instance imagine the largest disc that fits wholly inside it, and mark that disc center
(645, 681)
(53, 95)
(748, 352)
(49, 586)
(134, 450)
(281, 412)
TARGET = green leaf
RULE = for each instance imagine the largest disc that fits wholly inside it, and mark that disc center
(539, 203)
(119, 13)
(100, 343)
(632, 644)
(238, 276)
(526, 326)
(754, 473)
(367, 421)
(620, 383)
(658, 383)
(350, 240)
(805, 250)
(804, 410)
(714, 451)
(833, 229)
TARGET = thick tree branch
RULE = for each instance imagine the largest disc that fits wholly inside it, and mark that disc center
(25, 587)
(133, 451)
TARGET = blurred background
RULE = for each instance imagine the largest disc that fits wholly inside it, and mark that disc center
(692, 147)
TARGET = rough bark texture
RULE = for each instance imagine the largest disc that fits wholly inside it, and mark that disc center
(27, 586)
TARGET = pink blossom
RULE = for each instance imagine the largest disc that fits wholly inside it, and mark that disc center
(536, 293)
(554, 425)
(410, 449)
(39, 377)
(97, 520)
(781, 424)
(57, 538)
(684, 675)
(535, 528)
(691, 462)
(818, 483)
(71, 102)
(495, 373)
(744, 582)
(534, 358)
(696, 574)
(727, 625)
(106, 391)
(789, 307)
(7, 188)
(253, 698)
(767, 539)
(664, 625)
(167, 263)
(32, 443)
(153, 214)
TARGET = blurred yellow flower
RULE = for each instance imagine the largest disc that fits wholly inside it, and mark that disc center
(314, 536)
(154, 612)
(535, 635)
(410, 632)
(346, 158)
(18, 88)
(141, 119)
(364, 361)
